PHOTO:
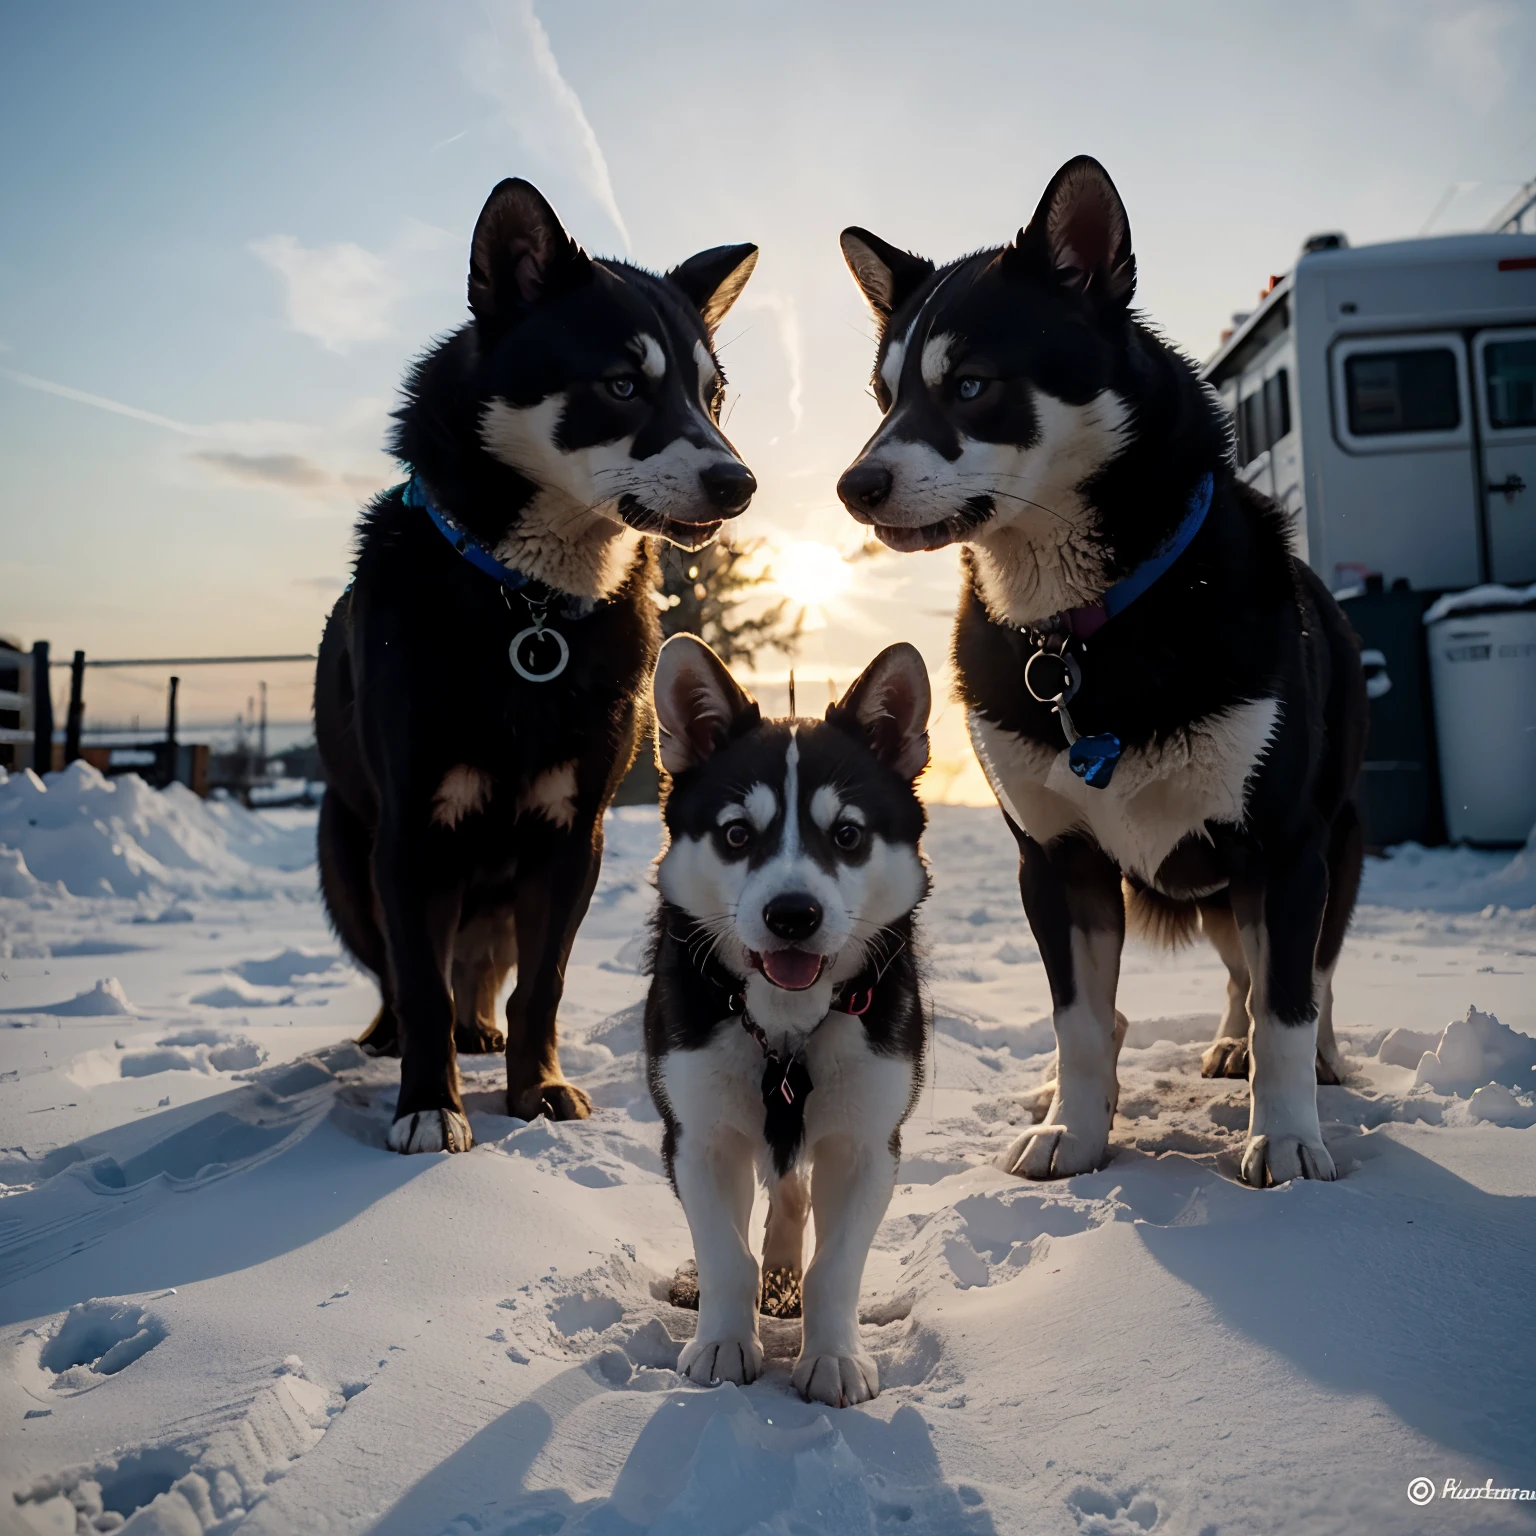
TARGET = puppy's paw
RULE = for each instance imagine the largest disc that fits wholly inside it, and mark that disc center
(556, 1099)
(707, 1361)
(839, 1381)
(1279, 1159)
(431, 1130)
(1226, 1057)
(478, 1038)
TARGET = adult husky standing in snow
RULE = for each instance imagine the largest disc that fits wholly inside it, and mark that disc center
(1158, 690)
(784, 1027)
(480, 688)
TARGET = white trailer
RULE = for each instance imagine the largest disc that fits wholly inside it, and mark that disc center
(1386, 395)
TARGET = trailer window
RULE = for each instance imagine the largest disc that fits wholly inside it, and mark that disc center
(1402, 392)
(1509, 369)
(1253, 437)
(1277, 406)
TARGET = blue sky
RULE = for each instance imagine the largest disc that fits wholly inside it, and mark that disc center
(226, 229)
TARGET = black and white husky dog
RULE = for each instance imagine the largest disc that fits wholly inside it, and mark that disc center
(785, 1027)
(1159, 691)
(481, 686)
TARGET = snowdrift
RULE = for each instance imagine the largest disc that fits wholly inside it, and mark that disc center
(85, 834)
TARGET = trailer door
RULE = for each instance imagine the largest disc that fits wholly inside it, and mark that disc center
(1400, 498)
(1506, 394)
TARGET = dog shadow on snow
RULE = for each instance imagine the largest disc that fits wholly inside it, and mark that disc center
(1402, 1280)
(725, 1461)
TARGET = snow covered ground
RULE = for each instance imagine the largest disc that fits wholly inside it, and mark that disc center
(224, 1305)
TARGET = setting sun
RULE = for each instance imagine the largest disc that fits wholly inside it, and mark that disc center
(810, 573)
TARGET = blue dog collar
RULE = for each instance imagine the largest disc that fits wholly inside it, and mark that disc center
(1093, 758)
(1092, 617)
(415, 495)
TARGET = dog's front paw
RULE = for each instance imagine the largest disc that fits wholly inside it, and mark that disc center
(1279, 1159)
(1226, 1057)
(431, 1130)
(707, 1361)
(839, 1381)
(556, 1099)
(1073, 1139)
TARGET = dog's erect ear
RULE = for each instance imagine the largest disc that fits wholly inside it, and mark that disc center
(520, 252)
(887, 709)
(886, 277)
(699, 705)
(1080, 234)
(713, 280)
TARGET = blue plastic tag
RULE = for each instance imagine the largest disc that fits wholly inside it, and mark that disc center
(1093, 759)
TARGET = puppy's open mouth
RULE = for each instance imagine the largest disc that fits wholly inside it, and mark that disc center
(972, 515)
(792, 969)
(684, 534)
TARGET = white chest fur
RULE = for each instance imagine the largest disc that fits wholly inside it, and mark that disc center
(1158, 796)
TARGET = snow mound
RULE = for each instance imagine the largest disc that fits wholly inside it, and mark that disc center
(118, 837)
(1452, 879)
(105, 999)
(16, 880)
(276, 970)
(1476, 1051)
(1499, 1106)
(236, 992)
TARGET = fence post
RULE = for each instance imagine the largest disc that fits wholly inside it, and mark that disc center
(42, 710)
(170, 734)
(76, 708)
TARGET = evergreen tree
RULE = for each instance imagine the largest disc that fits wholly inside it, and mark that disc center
(704, 591)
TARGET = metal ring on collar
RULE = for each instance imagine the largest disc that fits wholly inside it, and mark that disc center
(1074, 674)
(527, 673)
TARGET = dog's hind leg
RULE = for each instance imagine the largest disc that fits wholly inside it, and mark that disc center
(344, 846)
(1227, 1054)
(1071, 893)
(789, 1204)
(1346, 858)
(1279, 920)
(483, 952)
(549, 906)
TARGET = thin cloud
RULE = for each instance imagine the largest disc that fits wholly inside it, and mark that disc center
(339, 294)
(269, 461)
(286, 471)
(291, 470)
(527, 85)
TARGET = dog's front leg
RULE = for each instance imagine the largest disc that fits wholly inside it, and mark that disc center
(851, 1183)
(548, 907)
(1071, 894)
(1279, 920)
(715, 1175)
(419, 904)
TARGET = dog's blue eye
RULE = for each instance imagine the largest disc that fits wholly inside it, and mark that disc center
(737, 835)
(622, 388)
(847, 835)
(968, 388)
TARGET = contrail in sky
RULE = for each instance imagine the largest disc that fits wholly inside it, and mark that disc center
(64, 392)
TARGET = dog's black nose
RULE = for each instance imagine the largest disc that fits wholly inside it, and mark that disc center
(793, 917)
(863, 487)
(729, 485)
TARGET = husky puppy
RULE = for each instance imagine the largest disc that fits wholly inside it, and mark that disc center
(481, 684)
(1158, 690)
(784, 1028)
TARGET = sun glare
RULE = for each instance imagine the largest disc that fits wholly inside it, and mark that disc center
(810, 574)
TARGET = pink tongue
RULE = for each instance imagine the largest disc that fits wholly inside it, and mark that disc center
(792, 969)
